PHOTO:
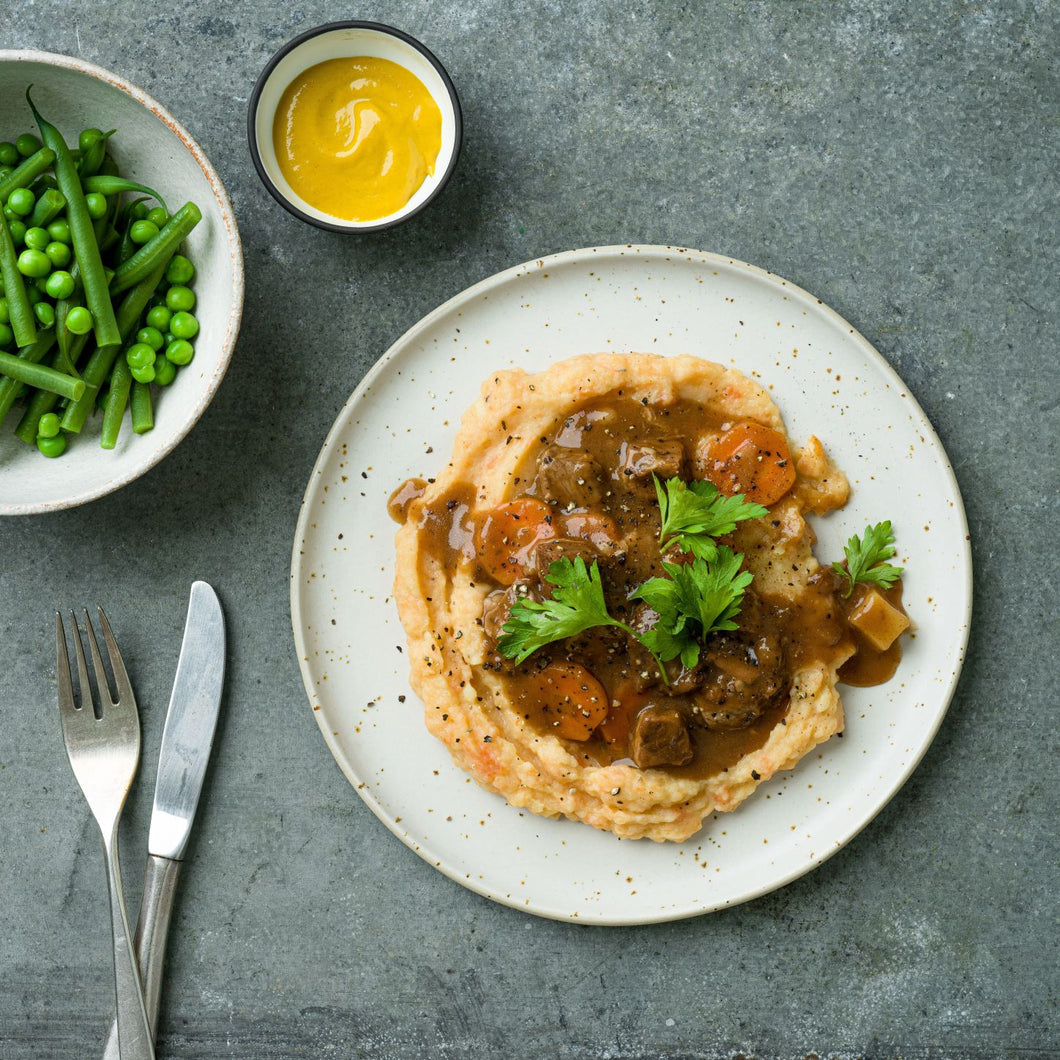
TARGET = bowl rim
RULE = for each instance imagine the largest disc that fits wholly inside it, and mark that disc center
(235, 254)
(255, 99)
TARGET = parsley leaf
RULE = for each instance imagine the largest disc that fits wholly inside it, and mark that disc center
(865, 558)
(700, 597)
(692, 513)
(577, 604)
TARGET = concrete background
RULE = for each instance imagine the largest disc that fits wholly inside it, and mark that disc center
(898, 160)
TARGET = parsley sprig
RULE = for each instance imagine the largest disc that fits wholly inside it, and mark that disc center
(577, 604)
(865, 558)
(697, 599)
(694, 513)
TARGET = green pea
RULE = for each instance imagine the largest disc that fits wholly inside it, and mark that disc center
(89, 138)
(59, 230)
(48, 427)
(183, 325)
(150, 337)
(180, 352)
(143, 375)
(52, 447)
(97, 205)
(165, 371)
(21, 202)
(140, 212)
(142, 231)
(58, 254)
(157, 216)
(37, 238)
(18, 232)
(5, 311)
(7, 336)
(180, 270)
(33, 292)
(27, 144)
(60, 284)
(158, 317)
(45, 313)
(79, 320)
(35, 263)
(5, 171)
(140, 355)
(8, 153)
(180, 298)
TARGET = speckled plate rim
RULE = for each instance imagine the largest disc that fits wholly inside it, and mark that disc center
(342, 421)
(235, 252)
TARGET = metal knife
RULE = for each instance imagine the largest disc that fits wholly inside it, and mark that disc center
(186, 742)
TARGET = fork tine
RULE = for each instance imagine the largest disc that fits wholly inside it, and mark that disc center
(62, 667)
(102, 684)
(82, 667)
(121, 677)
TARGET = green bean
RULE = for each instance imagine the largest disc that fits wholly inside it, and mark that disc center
(143, 418)
(43, 401)
(41, 376)
(48, 207)
(128, 248)
(103, 357)
(62, 310)
(18, 304)
(117, 399)
(111, 185)
(93, 154)
(104, 224)
(26, 173)
(9, 388)
(165, 245)
(86, 249)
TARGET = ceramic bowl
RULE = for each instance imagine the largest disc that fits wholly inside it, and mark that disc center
(338, 40)
(151, 147)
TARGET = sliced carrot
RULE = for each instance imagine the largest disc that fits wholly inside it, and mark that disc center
(506, 537)
(563, 698)
(594, 527)
(752, 460)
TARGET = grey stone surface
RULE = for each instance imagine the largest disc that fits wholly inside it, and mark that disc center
(898, 160)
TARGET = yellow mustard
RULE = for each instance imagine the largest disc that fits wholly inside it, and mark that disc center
(357, 137)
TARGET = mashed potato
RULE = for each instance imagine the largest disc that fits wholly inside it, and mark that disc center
(607, 418)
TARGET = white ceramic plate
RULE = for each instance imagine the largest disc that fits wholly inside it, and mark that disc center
(401, 421)
(153, 148)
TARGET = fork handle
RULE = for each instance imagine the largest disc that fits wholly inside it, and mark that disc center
(152, 929)
(134, 1032)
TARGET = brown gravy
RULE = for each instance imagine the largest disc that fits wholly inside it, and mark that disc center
(398, 505)
(868, 666)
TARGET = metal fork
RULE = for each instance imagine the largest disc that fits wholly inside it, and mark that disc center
(104, 751)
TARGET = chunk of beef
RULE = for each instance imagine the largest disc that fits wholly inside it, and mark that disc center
(638, 461)
(548, 552)
(499, 603)
(568, 476)
(744, 670)
(642, 667)
(660, 737)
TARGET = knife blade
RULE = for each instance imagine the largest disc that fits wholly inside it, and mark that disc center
(186, 742)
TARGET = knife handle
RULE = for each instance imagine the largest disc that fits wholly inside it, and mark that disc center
(152, 927)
